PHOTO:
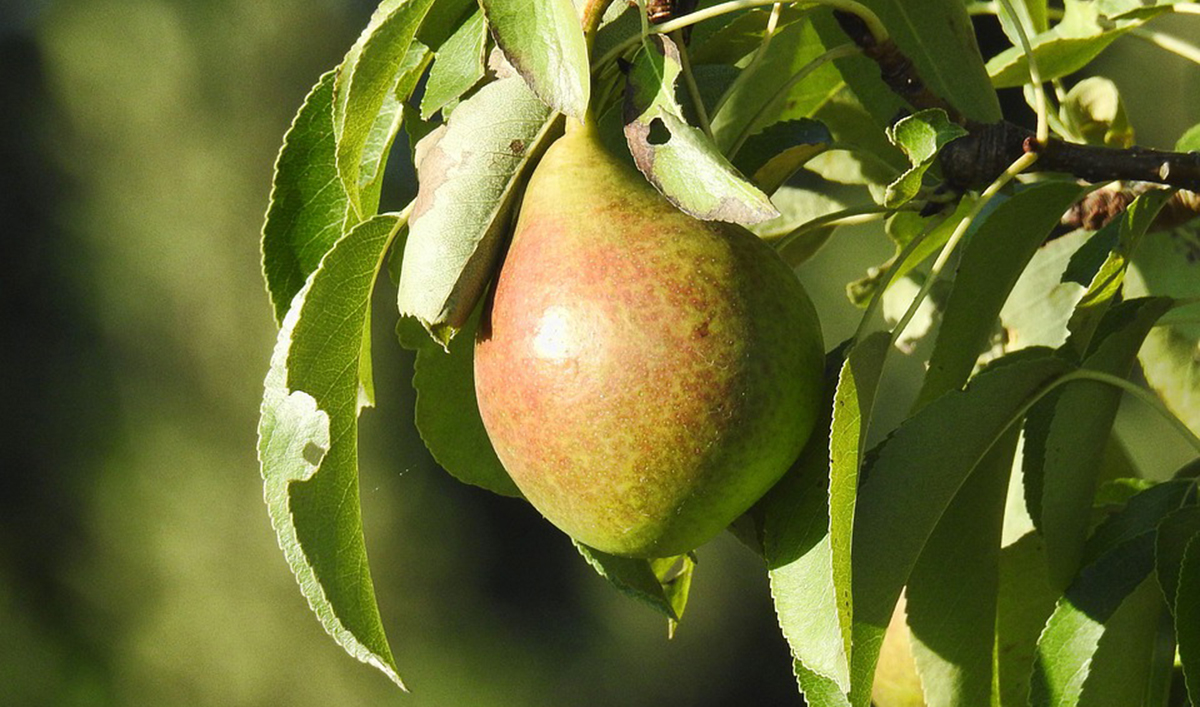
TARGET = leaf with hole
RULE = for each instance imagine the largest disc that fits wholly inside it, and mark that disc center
(678, 159)
(308, 443)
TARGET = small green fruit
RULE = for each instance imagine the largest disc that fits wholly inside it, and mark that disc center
(643, 376)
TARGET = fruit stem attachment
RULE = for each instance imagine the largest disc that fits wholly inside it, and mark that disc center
(590, 18)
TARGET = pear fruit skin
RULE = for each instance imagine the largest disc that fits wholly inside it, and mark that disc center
(643, 376)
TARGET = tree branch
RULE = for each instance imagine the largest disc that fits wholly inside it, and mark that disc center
(975, 160)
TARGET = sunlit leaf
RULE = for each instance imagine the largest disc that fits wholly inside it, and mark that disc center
(1094, 111)
(543, 40)
(308, 442)
(469, 174)
(1003, 243)
(366, 86)
(308, 204)
(1079, 37)
(902, 229)
(1103, 261)
(920, 136)
(764, 94)
(459, 66)
(742, 35)
(808, 521)
(1041, 303)
(1065, 436)
(677, 158)
(910, 480)
(1168, 263)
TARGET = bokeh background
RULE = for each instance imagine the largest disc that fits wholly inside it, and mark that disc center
(137, 565)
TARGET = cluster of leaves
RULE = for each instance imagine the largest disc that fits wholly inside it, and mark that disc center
(756, 116)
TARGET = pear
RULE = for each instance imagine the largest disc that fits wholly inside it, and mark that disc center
(644, 376)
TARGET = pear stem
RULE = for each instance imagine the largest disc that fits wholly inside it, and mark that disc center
(590, 18)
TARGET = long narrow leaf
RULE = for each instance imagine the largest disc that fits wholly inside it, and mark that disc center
(913, 477)
(308, 442)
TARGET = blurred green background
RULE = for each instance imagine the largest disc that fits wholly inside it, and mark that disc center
(137, 565)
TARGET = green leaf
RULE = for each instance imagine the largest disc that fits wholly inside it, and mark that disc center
(1123, 552)
(1187, 617)
(1143, 513)
(383, 131)
(920, 136)
(912, 477)
(1067, 47)
(938, 37)
(1168, 263)
(1125, 669)
(808, 523)
(1002, 244)
(1041, 303)
(447, 412)
(1033, 13)
(469, 172)
(868, 157)
(367, 87)
(308, 442)
(649, 581)
(902, 229)
(1175, 533)
(774, 155)
(1065, 436)
(1117, 242)
(1094, 111)
(543, 40)
(953, 589)
(1189, 141)
(678, 159)
(1025, 601)
(308, 204)
(797, 206)
(459, 66)
(762, 95)
(742, 35)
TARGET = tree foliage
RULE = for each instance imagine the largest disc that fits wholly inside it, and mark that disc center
(748, 112)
